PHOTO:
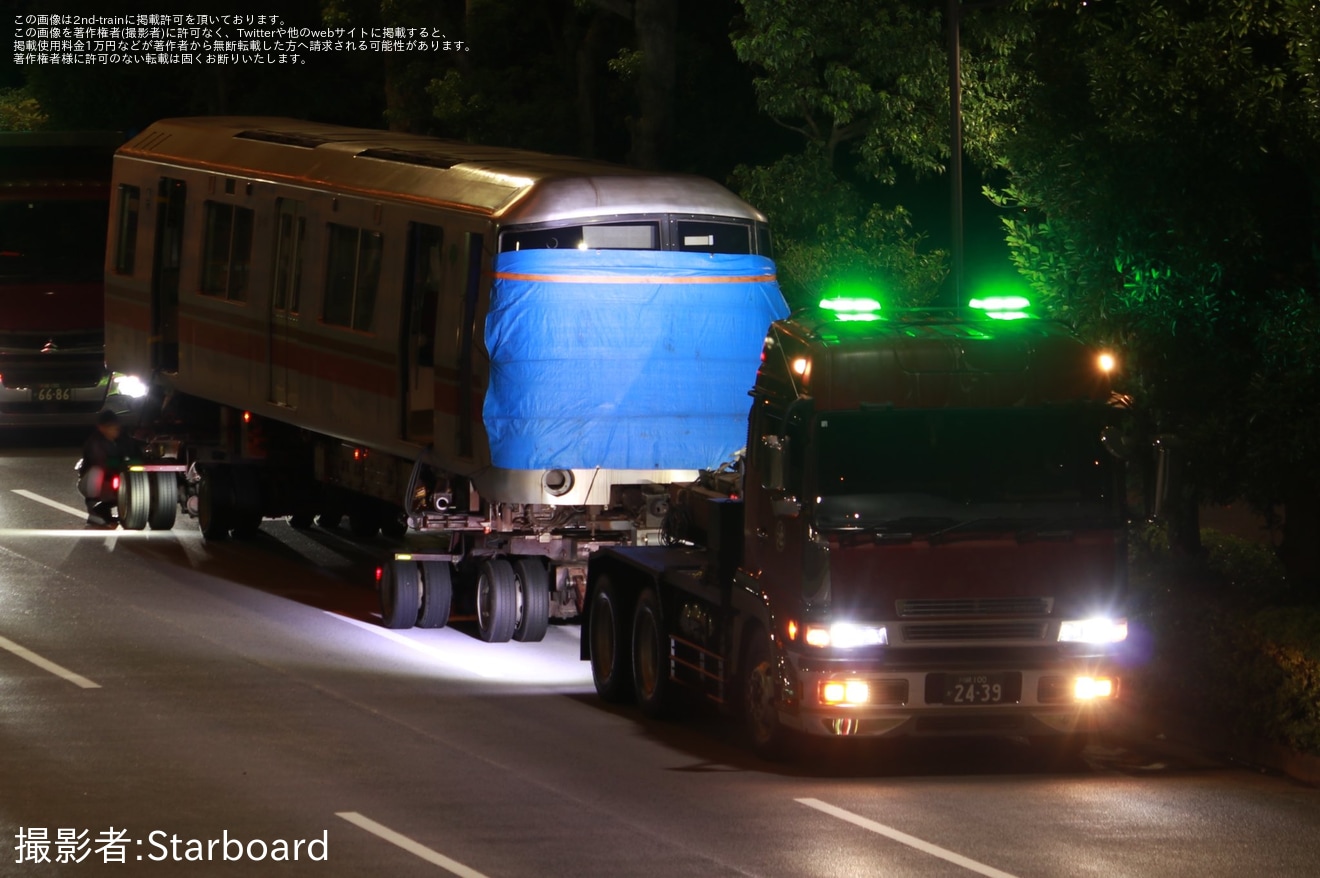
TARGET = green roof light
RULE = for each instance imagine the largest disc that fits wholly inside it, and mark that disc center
(855, 315)
(1001, 304)
(842, 305)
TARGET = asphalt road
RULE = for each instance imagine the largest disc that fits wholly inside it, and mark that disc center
(153, 686)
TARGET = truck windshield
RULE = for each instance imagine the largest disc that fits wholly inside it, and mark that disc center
(54, 240)
(947, 466)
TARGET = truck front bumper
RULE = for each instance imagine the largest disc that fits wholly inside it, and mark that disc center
(1034, 701)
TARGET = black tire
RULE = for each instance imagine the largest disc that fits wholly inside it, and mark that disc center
(650, 659)
(363, 523)
(134, 500)
(247, 503)
(610, 642)
(215, 503)
(164, 501)
(533, 583)
(497, 601)
(400, 594)
(437, 594)
(394, 526)
(330, 520)
(301, 520)
(766, 735)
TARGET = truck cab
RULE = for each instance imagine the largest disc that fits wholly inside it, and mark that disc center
(930, 534)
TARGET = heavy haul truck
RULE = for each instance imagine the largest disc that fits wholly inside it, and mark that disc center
(926, 539)
(505, 356)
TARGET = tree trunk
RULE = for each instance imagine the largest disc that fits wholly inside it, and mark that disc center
(1300, 549)
(656, 23)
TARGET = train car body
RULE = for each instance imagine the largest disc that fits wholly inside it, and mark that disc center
(514, 350)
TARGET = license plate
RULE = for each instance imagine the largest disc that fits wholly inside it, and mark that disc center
(52, 394)
(976, 689)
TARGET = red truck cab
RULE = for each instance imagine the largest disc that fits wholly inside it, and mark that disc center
(928, 539)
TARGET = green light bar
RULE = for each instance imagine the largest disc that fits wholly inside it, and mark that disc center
(850, 305)
(1007, 315)
(1001, 304)
(865, 315)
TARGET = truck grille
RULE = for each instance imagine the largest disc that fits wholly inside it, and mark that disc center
(920, 608)
(941, 631)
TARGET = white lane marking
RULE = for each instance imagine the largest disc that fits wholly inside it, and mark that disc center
(53, 504)
(95, 533)
(904, 838)
(410, 643)
(412, 847)
(47, 665)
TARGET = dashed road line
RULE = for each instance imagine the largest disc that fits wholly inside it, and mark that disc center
(415, 848)
(47, 665)
(903, 838)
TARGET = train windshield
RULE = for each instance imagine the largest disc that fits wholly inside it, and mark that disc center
(56, 240)
(694, 235)
(959, 464)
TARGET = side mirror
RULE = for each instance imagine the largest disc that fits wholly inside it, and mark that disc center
(774, 457)
(1111, 437)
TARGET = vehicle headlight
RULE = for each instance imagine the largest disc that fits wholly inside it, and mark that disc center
(1097, 630)
(128, 385)
(846, 635)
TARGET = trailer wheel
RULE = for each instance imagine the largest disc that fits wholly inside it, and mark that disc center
(400, 594)
(650, 659)
(301, 520)
(533, 583)
(215, 503)
(330, 520)
(247, 503)
(363, 522)
(768, 737)
(437, 594)
(497, 601)
(394, 525)
(134, 500)
(164, 500)
(609, 642)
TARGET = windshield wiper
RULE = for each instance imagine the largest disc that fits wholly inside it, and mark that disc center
(973, 527)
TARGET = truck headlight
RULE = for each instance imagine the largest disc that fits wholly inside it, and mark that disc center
(1097, 630)
(128, 385)
(845, 635)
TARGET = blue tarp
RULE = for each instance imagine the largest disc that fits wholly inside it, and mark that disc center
(624, 359)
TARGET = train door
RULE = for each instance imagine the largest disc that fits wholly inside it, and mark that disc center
(171, 196)
(285, 299)
(421, 296)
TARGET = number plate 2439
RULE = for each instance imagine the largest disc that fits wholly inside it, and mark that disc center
(976, 689)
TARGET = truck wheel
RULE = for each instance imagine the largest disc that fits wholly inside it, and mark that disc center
(497, 601)
(363, 522)
(164, 500)
(609, 642)
(767, 736)
(330, 520)
(532, 581)
(394, 526)
(650, 658)
(134, 500)
(247, 503)
(215, 503)
(437, 594)
(400, 594)
(301, 520)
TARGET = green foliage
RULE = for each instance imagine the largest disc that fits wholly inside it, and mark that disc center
(20, 111)
(1237, 643)
(1162, 161)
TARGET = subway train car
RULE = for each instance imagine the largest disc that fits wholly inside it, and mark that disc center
(499, 356)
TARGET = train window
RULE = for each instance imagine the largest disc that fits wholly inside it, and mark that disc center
(598, 236)
(351, 276)
(226, 251)
(289, 234)
(711, 237)
(130, 197)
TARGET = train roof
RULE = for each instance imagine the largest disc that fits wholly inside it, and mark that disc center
(513, 186)
(928, 359)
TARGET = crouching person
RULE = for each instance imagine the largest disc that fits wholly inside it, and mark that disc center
(104, 456)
